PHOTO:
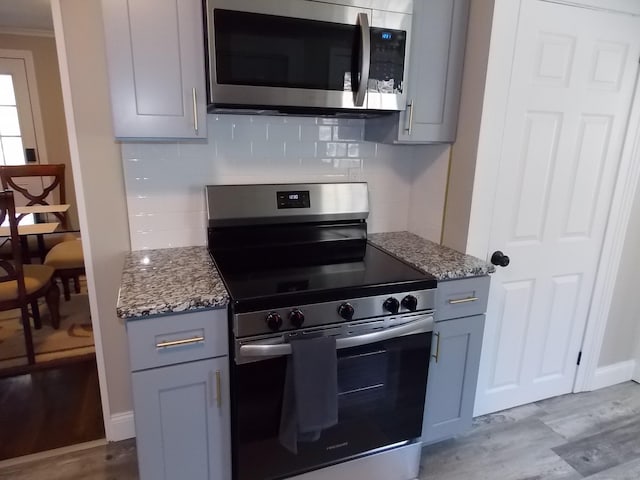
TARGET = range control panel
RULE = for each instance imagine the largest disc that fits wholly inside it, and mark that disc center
(318, 314)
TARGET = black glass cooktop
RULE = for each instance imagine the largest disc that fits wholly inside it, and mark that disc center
(376, 273)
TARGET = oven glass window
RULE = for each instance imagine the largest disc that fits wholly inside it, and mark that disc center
(380, 402)
(273, 51)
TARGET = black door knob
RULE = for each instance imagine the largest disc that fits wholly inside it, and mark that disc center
(499, 259)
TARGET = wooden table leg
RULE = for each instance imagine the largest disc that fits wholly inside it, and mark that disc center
(28, 339)
(24, 244)
(41, 248)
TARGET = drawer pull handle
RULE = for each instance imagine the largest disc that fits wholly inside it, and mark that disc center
(463, 300)
(219, 388)
(437, 354)
(179, 343)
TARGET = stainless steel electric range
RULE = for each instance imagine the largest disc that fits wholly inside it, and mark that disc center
(296, 263)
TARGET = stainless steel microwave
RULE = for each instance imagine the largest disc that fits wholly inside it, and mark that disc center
(286, 55)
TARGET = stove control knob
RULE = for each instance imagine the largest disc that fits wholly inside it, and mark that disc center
(346, 311)
(391, 305)
(296, 317)
(410, 303)
(274, 321)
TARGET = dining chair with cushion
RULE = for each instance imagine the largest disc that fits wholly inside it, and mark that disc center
(53, 180)
(22, 285)
(68, 261)
(64, 251)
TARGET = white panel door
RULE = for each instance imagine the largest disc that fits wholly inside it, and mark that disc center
(17, 127)
(573, 77)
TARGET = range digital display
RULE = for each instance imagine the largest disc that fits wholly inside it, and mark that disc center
(293, 199)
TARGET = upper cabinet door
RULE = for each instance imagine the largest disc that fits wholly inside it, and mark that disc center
(435, 77)
(155, 55)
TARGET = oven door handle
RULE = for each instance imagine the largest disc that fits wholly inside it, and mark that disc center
(423, 325)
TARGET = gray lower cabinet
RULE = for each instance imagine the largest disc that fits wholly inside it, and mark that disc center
(434, 79)
(180, 379)
(453, 374)
(455, 357)
(181, 416)
(155, 59)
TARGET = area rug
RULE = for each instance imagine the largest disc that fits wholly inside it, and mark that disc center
(73, 338)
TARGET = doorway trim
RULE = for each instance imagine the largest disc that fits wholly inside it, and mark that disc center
(74, 152)
(612, 248)
(491, 139)
(34, 99)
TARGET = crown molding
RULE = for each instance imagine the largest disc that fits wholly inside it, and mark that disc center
(30, 32)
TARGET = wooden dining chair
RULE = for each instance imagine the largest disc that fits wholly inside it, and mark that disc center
(62, 252)
(22, 285)
(16, 178)
(10, 176)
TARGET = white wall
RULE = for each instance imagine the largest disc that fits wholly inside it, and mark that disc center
(165, 181)
(97, 170)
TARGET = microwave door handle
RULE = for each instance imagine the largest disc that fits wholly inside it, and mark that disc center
(422, 325)
(365, 59)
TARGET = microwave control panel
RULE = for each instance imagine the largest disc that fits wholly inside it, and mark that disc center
(387, 60)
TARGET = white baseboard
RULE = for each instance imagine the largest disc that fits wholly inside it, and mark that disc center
(614, 374)
(122, 427)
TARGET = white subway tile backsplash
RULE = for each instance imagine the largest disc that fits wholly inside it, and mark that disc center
(283, 132)
(348, 132)
(167, 239)
(324, 133)
(165, 181)
(267, 150)
(300, 150)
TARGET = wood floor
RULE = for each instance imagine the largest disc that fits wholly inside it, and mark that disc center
(592, 435)
(49, 409)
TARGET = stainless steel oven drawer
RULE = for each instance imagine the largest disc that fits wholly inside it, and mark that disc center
(462, 298)
(185, 337)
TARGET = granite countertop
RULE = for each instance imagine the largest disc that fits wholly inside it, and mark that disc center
(169, 280)
(442, 262)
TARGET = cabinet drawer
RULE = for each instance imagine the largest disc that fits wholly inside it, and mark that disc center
(462, 298)
(159, 341)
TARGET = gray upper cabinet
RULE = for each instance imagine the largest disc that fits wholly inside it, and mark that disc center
(435, 77)
(453, 374)
(155, 57)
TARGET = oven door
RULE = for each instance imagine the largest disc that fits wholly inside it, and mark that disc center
(381, 398)
(297, 53)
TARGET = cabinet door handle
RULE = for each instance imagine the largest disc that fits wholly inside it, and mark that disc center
(409, 127)
(219, 388)
(437, 354)
(195, 109)
(463, 300)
